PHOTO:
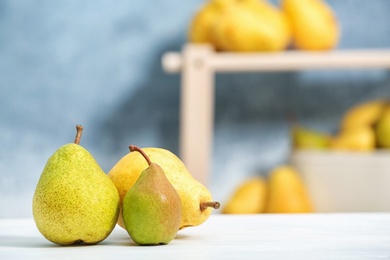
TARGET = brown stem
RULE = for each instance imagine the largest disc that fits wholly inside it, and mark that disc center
(79, 129)
(209, 204)
(134, 148)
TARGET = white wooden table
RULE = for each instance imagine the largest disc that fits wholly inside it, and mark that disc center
(265, 236)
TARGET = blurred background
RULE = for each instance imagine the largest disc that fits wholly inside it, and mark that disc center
(98, 63)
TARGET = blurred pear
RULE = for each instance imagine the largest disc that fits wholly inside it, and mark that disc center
(287, 192)
(313, 22)
(382, 129)
(363, 114)
(359, 139)
(305, 138)
(248, 198)
(204, 19)
(252, 26)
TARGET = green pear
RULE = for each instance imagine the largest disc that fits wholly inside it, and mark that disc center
(305, 138)
(382, 129)
(197, 202)
(152, 208)
(74, 201)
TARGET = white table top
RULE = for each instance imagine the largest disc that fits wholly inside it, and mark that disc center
(263, 236)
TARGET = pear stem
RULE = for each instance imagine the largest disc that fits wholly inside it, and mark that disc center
(79, 129)
(209, 204)
(134, 148)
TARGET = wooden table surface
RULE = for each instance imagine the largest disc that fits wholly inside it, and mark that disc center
(263, 236)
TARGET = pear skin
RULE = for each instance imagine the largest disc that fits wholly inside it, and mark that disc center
(314, 24)
(287, 192)
(197, 203)
(74, 201)
(248, 198)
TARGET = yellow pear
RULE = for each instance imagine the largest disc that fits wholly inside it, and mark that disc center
(364, 114)
(252, 26)
(355, 139)
(196, 199)
(248, 198)
(314, 24)
(287, 192)
(382, 129)
(200, 28)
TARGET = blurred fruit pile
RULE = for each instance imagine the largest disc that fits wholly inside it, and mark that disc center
(282, 192)
(363, 128)
(257, 25)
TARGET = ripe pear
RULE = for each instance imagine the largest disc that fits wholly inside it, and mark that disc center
(196, 199)
(152, 208)
(364, 114)
(248, 198)
(305, 138)
(252, 26)
(287, 192)
(200, 29)
(359, 139)
(314, 24)
(74, 201)
(382, 129)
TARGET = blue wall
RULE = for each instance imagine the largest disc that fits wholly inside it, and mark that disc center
(97, 63)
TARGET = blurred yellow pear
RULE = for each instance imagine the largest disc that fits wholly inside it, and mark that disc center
(204, 19)
(248, 198)
(363, 114)
(355, 139)
(287, 192)
(252, 26)
(382, 129)
(314, 25)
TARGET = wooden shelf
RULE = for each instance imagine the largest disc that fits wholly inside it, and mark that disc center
(283, 61)
(198, 65)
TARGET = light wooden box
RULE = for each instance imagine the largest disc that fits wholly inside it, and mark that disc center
(345, 182)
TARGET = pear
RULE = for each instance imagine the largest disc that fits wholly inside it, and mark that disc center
(314, 24)
(363, 114)
(359, 139)
(252, 26)
(152, 208)
(200, 29)
(248, 198)
(74, 201)
(305, 138)
(287, 192)
(382, 129)
(197, 203)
